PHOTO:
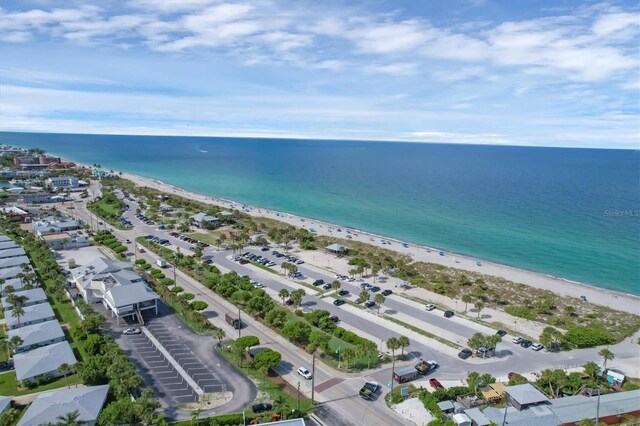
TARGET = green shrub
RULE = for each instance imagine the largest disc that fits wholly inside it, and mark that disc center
(586, 337)
(166, 281)
(176, 289)
(140, 262)
(520, 312)
(199, 305)
(188, 296)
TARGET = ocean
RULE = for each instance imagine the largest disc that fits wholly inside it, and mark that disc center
(571, 213)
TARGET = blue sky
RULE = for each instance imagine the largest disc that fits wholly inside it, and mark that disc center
(550, 73)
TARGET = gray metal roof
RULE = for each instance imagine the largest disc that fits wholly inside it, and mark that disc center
(12, 252)
(8, 244)
(46, 359)
(5, 403)
(577, 408)
(99, 266)
(3, 237)
(336, 247)
(200, 217)
(12, 262)
(35, 295)
(32, 313)
(13, 282)
(37, 333)
(477, 416)
(48, 406)
(525, 394)
(520, 418)
(8, 273)
(124, 295)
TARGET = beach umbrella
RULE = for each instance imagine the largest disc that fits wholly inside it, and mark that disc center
(312, 229)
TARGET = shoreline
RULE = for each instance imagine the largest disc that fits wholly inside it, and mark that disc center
(613, 299)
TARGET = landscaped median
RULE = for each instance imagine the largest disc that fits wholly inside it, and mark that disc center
(107, 208)
(311, 332)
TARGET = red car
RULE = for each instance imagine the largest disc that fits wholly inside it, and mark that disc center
(435, 384)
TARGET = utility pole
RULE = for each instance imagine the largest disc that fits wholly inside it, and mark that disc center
(598, 408)
(298, 396)
(506, 406)
(393, 367)
(313, 377)
(239, 324)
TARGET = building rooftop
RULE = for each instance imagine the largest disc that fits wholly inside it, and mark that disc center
(573, 409)
(8, 273)
(8, 245)
(35, 295)
(38, 333)
(13, 282)
(100, 266)
(4, 238)
(12, 252)
(31, 313)
(48, 406)
(14, 262)
(290, 422)
(43, 360)
(5, 403)
(202, 217)
(478, 417)
(336, 247)
(525, 394)
(129, 294)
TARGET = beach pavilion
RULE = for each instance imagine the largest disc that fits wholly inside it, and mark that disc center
(337, 249)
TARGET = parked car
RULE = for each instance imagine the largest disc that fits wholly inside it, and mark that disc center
(430, 307)
(537, 347)
(517, 340)
(465, 353)
(262, 407)
(369, 304)
(358, 300)
(6, 365)
(374, 289)
(343, 292)
(387, 292)
(334, 318)
(435, 384)
(448, 314)
(289, 302)
(526, 343)
(327, 286)
(130, 331)
(318, 282)
(501, 333)
(305, 373)
(338, 302)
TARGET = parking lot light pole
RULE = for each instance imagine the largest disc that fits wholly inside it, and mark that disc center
(239, 324)
(313, 377)
(298, 396)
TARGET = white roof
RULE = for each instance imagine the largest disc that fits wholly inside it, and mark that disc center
(11, 262)
(12, 252)
(204, 217)
(101, 266)
(48, 406)
(37, 333)
(13, 282)
(32, 313)
(125, 295)
(336, 247)
(13, 209)
(8, 273)
(46, 359)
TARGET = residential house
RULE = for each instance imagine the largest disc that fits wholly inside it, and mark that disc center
(12, 252)
(48, 406)
(9, 273)
(34, 296)
(15, 283)
(66, 240)
(13, 262)
(523, 396)
(37, 335)
(33, 314)
(43, 361)
(55, 225)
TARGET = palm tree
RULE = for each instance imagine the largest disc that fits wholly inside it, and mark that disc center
(467, 298)
(65, 369)
(591, 368)
(15, 342)
(6, 347)
(335, 285)
(364, 295)
(1, 284)
(17, 312)
(220, 335)
(283, 294)
(479, 305)
(404, 343)
(69, 419)
(349, 354)
(280, 404)
(195, 414)
(606, 355)
(393, 343)
(379, 299)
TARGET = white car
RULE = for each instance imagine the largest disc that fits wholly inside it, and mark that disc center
(129, 331)
(430, 307)
(258, 285)
(517, 340)
(304, 373)
(537, 347)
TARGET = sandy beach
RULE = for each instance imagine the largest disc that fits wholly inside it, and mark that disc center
(612, 299)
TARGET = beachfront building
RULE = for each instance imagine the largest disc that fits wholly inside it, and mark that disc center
(66, 240)
(37, 335)
(51, 405)
(62, 182)
(205, 221)
(24, 160)
(43, 361)
(166, 207)
(116, 286)
(33, 314)
(14, 214)
(55, 225)
(337, 249)
(35, 296)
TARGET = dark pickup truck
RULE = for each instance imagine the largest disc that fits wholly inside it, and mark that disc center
(235, 322)
(369, 391)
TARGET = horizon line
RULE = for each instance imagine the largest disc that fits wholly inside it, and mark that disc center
(310, 138)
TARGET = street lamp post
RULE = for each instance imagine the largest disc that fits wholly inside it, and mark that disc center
(313, 377)
(339, 363)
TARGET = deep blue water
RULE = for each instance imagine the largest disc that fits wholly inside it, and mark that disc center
(566, 212)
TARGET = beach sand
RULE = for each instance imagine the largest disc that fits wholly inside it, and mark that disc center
(612, 299)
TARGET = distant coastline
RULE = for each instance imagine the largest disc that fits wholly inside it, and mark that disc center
(538, 265)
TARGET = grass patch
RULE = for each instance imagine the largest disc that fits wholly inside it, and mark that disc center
(209, 237)
(424, 333)
(9, 384)
(272, 387)
(107, 208)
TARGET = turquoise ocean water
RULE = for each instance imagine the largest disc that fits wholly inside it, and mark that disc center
(566, 212)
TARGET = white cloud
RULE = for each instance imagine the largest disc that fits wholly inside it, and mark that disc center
(615, 22)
